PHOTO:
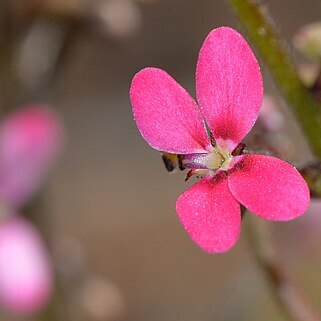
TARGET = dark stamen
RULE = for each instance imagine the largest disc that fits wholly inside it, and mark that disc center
(190, 174)
(213, 142)
(180, 162)
(239, 149)
(168, 163)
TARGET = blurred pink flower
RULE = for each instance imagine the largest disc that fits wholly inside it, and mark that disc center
(25, 270)
(229, 90)
(30, 139)
(270, 116)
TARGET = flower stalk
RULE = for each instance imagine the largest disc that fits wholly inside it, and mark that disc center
(287, 293)
(259, 26)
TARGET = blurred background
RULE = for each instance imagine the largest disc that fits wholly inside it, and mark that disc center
(107, 211)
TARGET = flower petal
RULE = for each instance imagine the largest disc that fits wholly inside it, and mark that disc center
(269, 187)
(229, 86)
(210, 214)
(166, 115)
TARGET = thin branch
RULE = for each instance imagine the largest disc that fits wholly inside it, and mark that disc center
(287, 293)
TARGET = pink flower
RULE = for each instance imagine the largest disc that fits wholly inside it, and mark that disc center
(30, 140)
(25, 270)
(229, 92)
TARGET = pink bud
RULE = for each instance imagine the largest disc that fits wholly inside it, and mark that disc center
(30, 139)
(25, 271)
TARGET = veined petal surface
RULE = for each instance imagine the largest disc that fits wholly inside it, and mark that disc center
(166, 115)
(229, 86)
(210, 214)
(269, 187)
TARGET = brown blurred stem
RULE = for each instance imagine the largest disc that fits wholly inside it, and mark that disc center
(287, 293)
(257, 22)
(312, 174)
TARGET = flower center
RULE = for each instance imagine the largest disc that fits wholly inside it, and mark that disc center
(214, 160)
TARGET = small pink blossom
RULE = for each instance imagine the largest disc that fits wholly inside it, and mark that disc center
(25, 271)
(30, 139)
(229, 91)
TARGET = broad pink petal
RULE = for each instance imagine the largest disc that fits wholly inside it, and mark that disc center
(269, 187)
(30, 140)
(166, 115)
(25, 272)
(229, 86)
(210, 214)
